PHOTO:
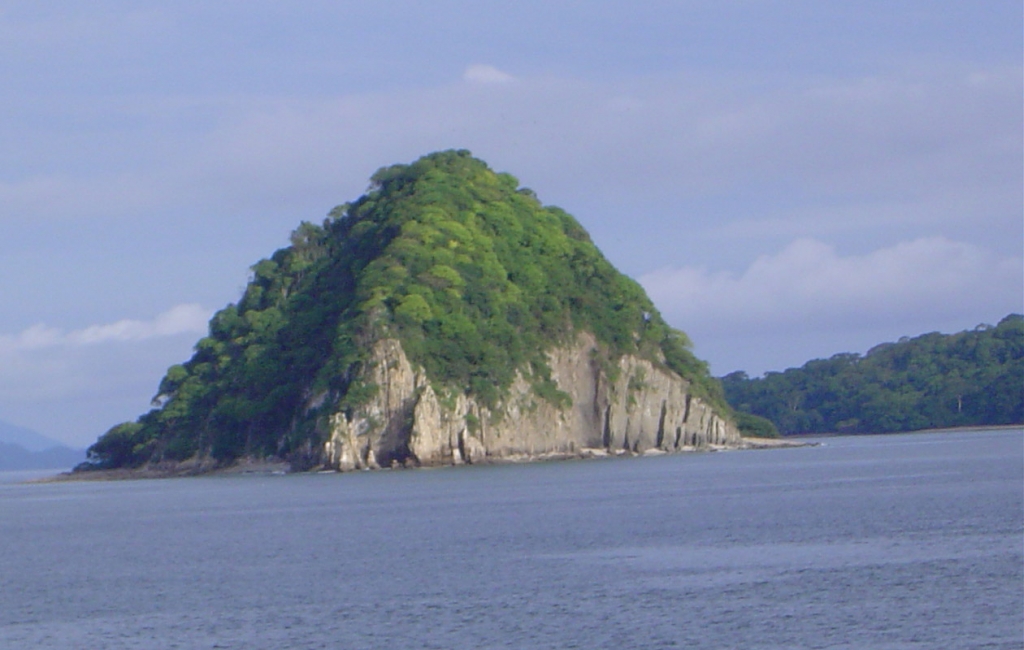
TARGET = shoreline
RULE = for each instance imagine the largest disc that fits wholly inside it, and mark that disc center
(775, 443)
(843, 434)
(184, 469)
(278, 466)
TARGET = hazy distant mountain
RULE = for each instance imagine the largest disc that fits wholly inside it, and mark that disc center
(15, 457)
(22, 448)
(12, 434)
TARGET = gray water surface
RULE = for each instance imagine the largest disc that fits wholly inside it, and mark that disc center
(882, 542)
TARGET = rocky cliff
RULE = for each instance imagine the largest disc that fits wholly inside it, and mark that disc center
(634, 406)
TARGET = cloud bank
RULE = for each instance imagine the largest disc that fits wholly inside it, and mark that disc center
(942, 144)
(808, 285)
(181, 319)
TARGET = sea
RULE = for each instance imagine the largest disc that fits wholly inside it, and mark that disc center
(912, 541)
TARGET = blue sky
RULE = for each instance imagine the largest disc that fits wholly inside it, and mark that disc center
(789, 180)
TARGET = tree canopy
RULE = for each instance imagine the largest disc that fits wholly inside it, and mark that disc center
(971, 378)
(469, 271)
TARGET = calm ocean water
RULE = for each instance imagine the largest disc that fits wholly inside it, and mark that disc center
(880, 542)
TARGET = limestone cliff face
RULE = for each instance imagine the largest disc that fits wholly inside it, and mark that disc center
(407, 422)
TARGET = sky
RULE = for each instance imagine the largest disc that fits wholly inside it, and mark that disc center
(788, 179)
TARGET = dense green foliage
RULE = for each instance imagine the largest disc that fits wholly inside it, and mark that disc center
(471, 273)
(968, 379)
(755, 426)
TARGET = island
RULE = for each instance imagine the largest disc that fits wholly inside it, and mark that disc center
(444, 317)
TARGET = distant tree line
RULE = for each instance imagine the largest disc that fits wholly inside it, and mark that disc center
(936, 380)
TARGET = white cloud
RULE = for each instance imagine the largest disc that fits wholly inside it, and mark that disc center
(73, 385)
(181, 319)
(486, 74)
(808, 286)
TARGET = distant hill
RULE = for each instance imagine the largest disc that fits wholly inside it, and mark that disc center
(971, 378)
(17, 457)
(22, 448)
(31, 440)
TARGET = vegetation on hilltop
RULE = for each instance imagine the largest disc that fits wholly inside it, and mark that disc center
(971, 378)
(473, 275)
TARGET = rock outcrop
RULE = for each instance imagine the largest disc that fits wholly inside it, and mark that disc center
(635, 406)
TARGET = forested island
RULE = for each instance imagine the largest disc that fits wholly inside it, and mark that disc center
(446, 316)
(972, 378)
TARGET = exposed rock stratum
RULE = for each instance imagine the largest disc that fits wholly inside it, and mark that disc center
(645, 408)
